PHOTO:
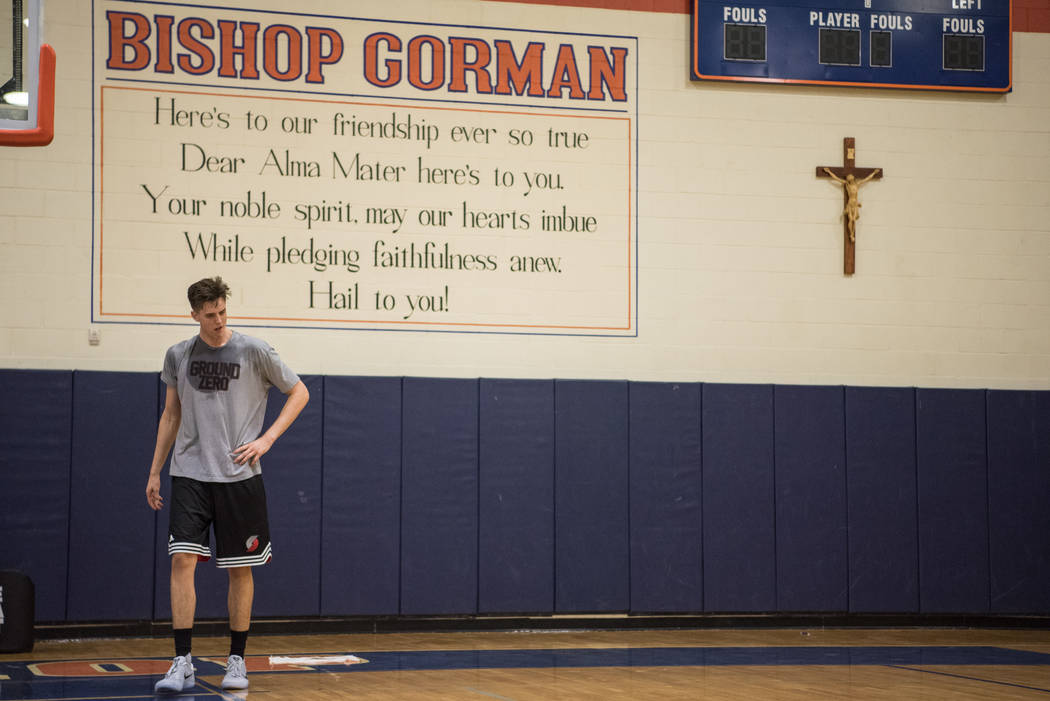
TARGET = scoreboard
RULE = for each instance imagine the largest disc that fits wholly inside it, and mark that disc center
(920, 44)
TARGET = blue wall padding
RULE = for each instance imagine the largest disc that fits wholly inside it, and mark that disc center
(591, 504)
(883, 516)
(811, 536)
(738, 507)
(953, 501)
(290, 584)
(1019, 500)
(111, 527)
(516, 497)
(666, 567)
(394, 496)
(35, 439)
(361, 524)
(439, 497)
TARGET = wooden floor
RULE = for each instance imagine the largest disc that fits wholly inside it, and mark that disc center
(667, 664)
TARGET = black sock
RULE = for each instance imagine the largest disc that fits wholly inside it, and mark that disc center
(183, 641)
(238, 639)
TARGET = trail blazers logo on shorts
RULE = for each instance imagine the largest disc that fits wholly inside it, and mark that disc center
(252, 544)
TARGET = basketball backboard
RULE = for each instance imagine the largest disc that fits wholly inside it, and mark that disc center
(27, 75)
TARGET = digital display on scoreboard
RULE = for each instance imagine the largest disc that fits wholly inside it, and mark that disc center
(745, 42)
(840, 47)
(963, 52)
(921, 44)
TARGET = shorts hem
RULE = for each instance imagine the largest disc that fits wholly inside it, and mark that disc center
(192, 548)
(246, 561)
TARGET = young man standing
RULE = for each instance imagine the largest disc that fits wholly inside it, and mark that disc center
(213, 414)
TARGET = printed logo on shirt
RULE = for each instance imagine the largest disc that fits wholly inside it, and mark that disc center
(252, 544)
(214, 375)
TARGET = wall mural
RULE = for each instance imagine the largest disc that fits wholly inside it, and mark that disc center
(362, 173)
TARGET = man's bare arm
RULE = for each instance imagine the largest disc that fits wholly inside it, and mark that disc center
(298, 396)
(166, 431)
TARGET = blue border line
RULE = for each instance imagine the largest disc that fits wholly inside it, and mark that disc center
(237, 324)
(371, 19)
(94, 186)
(910, 657)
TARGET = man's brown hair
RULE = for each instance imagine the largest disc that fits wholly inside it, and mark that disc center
(210, 289)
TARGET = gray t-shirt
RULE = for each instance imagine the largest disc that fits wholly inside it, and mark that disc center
(223, 395)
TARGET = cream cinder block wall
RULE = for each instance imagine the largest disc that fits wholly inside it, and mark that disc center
(739, 245)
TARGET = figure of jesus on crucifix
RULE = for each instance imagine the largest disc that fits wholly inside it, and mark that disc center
(850, 177)
(852, 208)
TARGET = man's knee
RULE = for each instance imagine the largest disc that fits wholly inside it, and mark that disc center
(240, 574)
(183, 562)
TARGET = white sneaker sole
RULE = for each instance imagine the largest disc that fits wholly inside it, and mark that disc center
(187, 682)
(234, 684)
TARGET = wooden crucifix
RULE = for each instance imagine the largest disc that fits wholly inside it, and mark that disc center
(850, 177)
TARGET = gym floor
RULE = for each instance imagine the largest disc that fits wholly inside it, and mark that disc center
(663, 664)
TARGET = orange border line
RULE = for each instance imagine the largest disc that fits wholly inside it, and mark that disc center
(354, 102)
(372, 321)
(630, 189)
(851, 84)
(630, 162)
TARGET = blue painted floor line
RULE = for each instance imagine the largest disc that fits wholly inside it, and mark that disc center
(690, 657)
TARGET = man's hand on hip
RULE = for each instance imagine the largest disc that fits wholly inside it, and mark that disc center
(251, 452)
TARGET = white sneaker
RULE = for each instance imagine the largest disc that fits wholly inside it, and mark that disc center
(236, 675)
(179, 676)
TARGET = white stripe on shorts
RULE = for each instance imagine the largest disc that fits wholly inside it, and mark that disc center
(194, 548)
(245, 561)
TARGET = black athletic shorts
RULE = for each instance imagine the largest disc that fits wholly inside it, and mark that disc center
(237, 510)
